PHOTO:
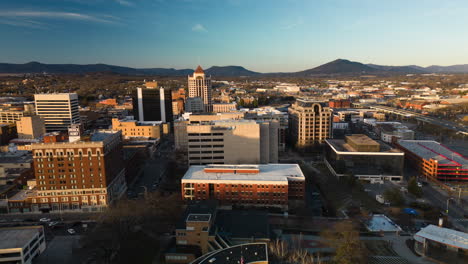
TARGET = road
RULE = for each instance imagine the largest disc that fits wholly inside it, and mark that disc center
(456, 210)
(153, 171)
(431, 120)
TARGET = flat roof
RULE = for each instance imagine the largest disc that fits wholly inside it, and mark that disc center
(362, 139)
(340, 146)
(272, 173)
(17, 237)
(429, 149)
(444, 235)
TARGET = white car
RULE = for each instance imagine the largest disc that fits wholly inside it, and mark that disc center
(44, 220)
(71, 231)
(53, 224)
(419, 184)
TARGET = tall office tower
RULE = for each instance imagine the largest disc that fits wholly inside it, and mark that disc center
(59, 110)
(309, 122)
(152, 104)
(199, 85)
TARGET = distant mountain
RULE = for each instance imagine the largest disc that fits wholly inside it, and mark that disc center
(339, 67)
(461, 68)
(36, 67)
(400, 69)
(333, 68)
(230, 71)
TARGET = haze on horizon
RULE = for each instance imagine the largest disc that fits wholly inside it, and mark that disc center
(263, 36)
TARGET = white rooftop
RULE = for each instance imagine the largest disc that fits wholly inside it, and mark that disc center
(444, 235)
(272, 173)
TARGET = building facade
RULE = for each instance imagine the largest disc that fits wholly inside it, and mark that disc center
(435, 161)
(364, 158)
(310, 123)
(152, 104)
(10, 116)
(136, 129)
(58, 111)
(80, 176)
(224, 107)
(21, 244)
(269, 185)
(199, 85)
(228, 141)
(30, 127)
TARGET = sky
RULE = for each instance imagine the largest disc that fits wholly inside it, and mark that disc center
(261, 35)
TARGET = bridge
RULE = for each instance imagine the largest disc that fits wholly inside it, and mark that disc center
(423, 118)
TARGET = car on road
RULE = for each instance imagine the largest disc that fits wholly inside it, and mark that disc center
(71, 231)
(44, 220)
(54, 223)
(17, 220)
(420, 185)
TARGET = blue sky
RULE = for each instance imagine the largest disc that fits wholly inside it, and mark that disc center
(261, 35)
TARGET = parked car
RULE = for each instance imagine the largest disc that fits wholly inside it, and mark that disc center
(51, 224)
(71, 231)
(44, 220)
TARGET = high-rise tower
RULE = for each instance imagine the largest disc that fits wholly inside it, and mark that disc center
(199, 85)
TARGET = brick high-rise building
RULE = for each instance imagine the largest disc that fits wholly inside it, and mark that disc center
(199, 85)
(310, 122)
(82, 175)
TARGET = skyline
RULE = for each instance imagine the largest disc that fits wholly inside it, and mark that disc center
(287, 36)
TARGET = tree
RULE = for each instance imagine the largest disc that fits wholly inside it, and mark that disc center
(343, 237)
(413, 187)
(394, 196)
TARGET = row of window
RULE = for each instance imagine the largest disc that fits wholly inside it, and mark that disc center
(206, 146)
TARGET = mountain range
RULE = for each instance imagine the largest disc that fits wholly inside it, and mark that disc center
(334, 68)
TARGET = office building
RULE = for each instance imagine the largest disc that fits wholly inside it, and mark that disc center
(364, 158)
(269, 185)
(21, 244)
(435, 161)
(30, 127)
(10, 116)
(227, 141)
(270, 114)
(135, 129)
(194, 105)
(199, 85)
(310, 123)
(79, 176)
(152, 104)
(58, 110)
(224, 107)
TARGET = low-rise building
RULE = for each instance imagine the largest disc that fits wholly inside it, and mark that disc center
(224, 107)
(435, 161)
(364, 158)
(194, 105)
(21, 244)
(204, 228)
(135, 129)
(442, 244)
(269, 185)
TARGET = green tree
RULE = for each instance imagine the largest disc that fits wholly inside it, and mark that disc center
(343, 237)
(394, 196)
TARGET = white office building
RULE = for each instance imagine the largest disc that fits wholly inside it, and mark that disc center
(58, 110)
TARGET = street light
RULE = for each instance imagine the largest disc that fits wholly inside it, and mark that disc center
(146, 190)
(448, 205)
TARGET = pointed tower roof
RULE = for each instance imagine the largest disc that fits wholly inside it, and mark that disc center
(199, 70)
